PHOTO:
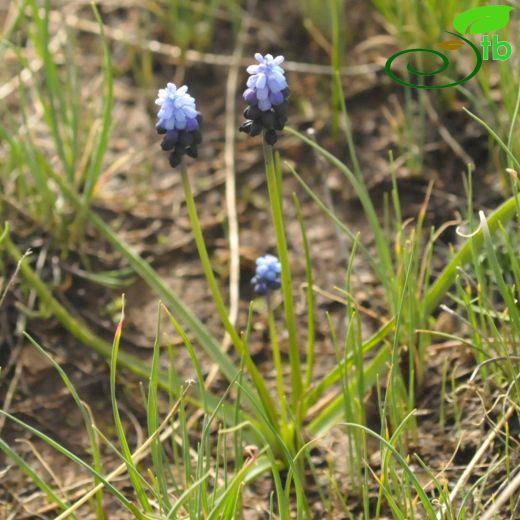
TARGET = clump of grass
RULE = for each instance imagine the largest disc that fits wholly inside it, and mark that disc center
(78, 131)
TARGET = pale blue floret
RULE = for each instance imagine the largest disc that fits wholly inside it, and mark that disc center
(178, 110)
(267, 276)
(266, 83)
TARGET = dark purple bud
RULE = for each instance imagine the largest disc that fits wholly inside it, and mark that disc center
(175, 159)
(160, 130)
(281, 110)
(167, 144)
(169, 140)
(252, 113)
(286, 92)
(273, 284)
(246, 127)
(192, 151)
(260, 288)
(197, 137)
(256, 128)
(280, 123)
(270, 137)
(185, 138)
(268, 120)
(250, 97)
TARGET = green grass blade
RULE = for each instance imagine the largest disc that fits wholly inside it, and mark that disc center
(99, 149)
(84, 334)
(341, 226)
(152, 416)
(311, 312)
(132, 470)
(333, 376)
(506, 291)
(172, 513)
(333, 413)
(229, 494)
(496, 137)
(502, 214)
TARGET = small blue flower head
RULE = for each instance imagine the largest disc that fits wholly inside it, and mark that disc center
(267, 276)
(266, 95)
(179, 122)
(178, 109)
(266, 83)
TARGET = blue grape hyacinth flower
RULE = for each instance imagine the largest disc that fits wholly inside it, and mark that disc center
(266, 83)
(267, 276)
(179, 122)
(266, 95)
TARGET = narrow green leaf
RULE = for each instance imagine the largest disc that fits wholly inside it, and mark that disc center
(132, 470)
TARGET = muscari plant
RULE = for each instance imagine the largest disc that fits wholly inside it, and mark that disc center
(266, 96)
(179, 122)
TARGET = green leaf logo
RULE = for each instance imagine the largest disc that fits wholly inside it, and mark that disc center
(482, 19)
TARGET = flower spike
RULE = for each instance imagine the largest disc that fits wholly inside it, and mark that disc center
(267, 276)
(266, 95)
(179, 122)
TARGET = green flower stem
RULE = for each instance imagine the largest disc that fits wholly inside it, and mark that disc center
(275, 198)
(239, 345)
(277, 361)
